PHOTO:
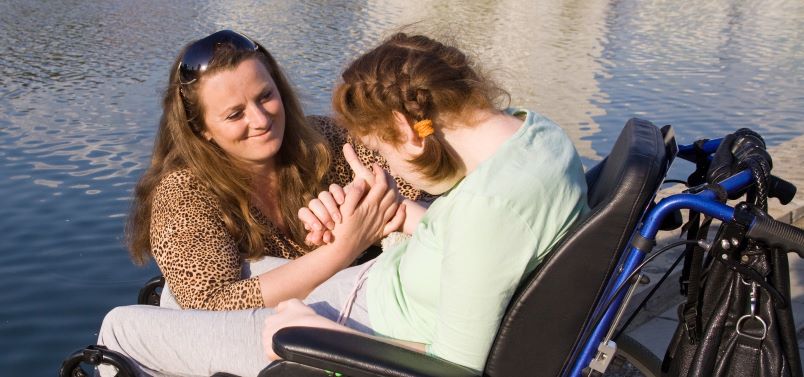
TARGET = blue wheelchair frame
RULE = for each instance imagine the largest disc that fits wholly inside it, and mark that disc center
(704, 202)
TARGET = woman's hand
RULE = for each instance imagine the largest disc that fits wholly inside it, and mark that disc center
(367, 218)
(364, 214)
(323, 213)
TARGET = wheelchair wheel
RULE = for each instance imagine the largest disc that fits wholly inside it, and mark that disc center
(633, 360)
(93, 356)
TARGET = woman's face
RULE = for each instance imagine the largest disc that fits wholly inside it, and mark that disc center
(243, 113)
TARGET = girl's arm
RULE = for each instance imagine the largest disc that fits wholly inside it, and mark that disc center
(414, 211)
(295, 313)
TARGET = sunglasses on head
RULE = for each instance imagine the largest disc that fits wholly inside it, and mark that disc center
(197, 57)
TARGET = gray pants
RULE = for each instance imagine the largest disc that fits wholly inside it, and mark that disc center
(169, 342)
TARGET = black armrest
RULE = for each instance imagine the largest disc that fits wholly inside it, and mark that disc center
(355, 355)
(148, 293)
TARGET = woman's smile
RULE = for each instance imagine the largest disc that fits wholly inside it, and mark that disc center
(265, 132)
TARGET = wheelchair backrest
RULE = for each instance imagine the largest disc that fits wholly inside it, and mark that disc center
(546, 318)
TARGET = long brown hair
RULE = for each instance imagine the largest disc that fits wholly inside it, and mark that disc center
(302, 161)
(420, 78)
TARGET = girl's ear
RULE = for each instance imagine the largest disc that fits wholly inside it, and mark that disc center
(412, 143)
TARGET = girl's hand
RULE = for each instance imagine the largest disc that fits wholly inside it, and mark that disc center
(370, 176)
(293, 312)
(289, 313)
(414, 210)
(362, 172)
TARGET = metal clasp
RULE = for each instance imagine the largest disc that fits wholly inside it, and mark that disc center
(607, 348)
(752, 315)
(605, 354)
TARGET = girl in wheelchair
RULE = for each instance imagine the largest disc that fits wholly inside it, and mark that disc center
(510, 183)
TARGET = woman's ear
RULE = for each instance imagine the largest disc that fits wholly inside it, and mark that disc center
(206, 135)
(412, 143)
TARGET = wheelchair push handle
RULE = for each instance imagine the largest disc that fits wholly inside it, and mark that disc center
(781, 189)
(775, 233)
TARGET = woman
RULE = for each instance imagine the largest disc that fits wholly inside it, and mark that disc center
(511, 183)
(234, 160)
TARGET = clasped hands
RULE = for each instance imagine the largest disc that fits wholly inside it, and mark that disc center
(359, 214)
(355, 217)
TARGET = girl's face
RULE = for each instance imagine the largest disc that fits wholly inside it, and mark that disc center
(397, 158)
(399, 155)
(243, 113)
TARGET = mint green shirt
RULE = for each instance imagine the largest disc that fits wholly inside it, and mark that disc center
(449, 285)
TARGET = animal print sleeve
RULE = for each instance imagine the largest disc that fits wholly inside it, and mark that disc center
(340, 173)
(197, 255)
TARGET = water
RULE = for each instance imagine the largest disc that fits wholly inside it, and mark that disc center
(80, 83)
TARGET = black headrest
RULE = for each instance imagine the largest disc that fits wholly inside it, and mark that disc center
(546, 318)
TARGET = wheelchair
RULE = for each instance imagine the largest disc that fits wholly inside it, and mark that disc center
(561, 319)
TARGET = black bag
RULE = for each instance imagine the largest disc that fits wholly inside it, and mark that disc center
(737, 320)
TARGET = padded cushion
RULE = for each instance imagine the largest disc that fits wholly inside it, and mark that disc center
(291, 369)
(545, 321)
(352, 355)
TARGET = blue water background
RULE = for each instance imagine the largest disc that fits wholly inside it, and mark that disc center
(79, 101)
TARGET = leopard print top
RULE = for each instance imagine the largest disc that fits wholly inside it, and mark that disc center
(200, 258)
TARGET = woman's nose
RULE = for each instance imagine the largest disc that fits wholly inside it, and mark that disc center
(258, 117)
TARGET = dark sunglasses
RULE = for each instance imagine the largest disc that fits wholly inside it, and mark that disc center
(197, 57)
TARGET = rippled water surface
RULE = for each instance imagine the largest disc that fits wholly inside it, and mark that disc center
(79, 87)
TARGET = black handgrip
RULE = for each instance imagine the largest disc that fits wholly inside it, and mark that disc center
(780, 189)
(777, 234)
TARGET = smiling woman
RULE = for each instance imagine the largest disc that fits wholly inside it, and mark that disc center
(244, 114)
(234, 160)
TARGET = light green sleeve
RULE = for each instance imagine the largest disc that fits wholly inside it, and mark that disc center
(486, 249)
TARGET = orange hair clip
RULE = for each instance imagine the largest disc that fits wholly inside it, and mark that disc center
(424, 128)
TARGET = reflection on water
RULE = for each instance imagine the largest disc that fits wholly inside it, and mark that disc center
(545, 54)
(710, 67)
(80, 84)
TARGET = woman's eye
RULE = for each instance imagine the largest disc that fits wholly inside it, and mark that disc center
(267, 95)
(235, 115)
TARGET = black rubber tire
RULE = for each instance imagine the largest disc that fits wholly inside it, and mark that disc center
(633, 359)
